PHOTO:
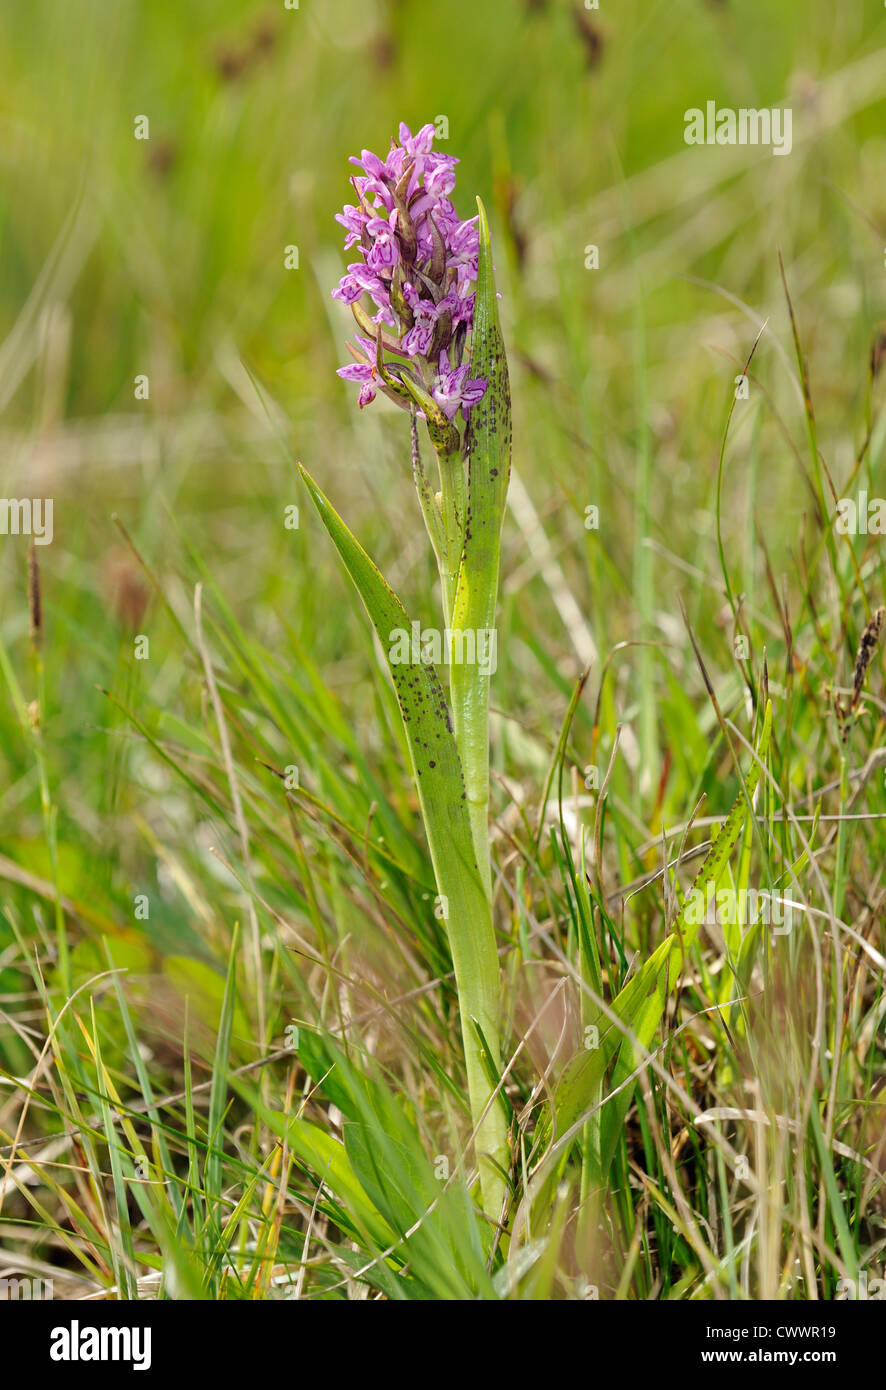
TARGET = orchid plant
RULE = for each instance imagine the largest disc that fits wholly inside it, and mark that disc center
(428, 338)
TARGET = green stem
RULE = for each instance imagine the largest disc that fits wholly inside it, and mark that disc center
(428, 503)
(475, 960)
(469, 688)
(453, 504)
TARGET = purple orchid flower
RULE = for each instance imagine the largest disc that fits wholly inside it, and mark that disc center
(419, 267)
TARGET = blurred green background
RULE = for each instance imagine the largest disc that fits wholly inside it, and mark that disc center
(166, 257)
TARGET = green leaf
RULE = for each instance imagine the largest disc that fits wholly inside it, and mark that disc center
(329, 1160)
(435, 1229)
(488, 441)
(442, 795)
(204, 988)
(435, 759)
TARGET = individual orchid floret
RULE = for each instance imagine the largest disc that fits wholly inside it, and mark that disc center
(454, 390)
(365, 374)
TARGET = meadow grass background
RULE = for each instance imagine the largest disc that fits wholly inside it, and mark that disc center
(166, 257)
